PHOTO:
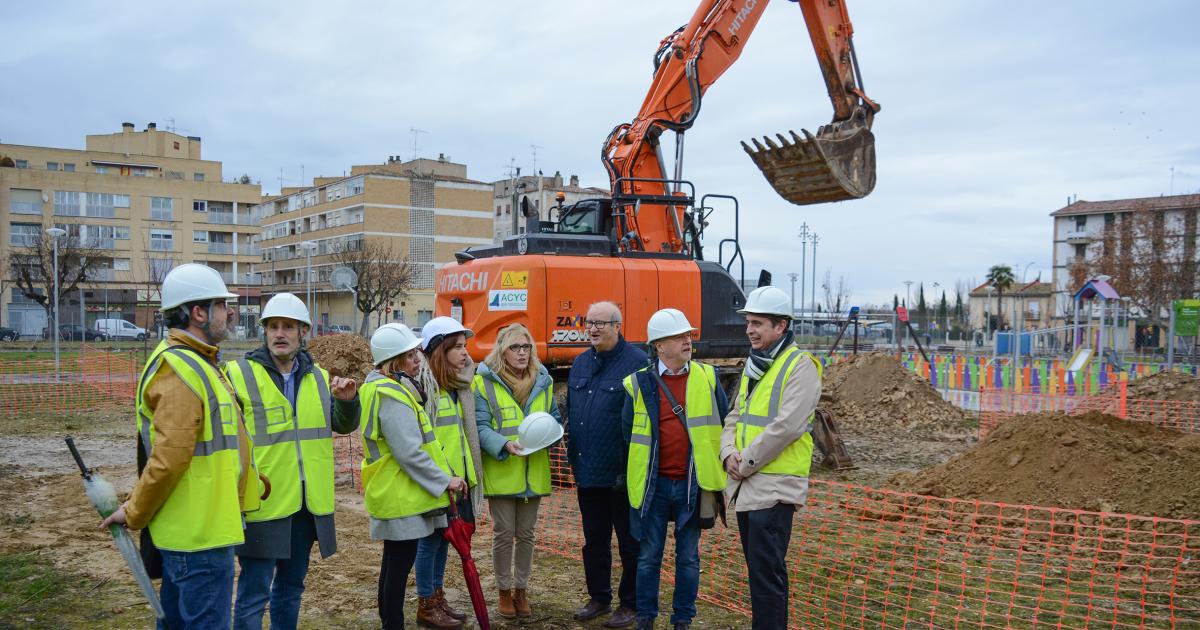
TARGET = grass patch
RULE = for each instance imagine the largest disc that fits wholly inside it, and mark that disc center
(38, 595)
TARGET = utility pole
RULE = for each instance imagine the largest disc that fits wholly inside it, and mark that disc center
(793, 276)
(803, 261)
(814, 281)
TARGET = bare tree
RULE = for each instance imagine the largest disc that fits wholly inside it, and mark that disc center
(6, 280)
(383, 277)
(32, 265)
(837, 296)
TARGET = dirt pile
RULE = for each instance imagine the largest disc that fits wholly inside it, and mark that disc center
(1092, 461)
(870, 391)
(1165, 386)
(343, 355)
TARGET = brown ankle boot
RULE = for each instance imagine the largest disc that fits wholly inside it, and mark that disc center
(506, 604)
(440, 596)
(431, 616)
(521, 602)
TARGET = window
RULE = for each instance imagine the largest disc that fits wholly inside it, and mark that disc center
(198, 177)
(101, 170)
(174, 175)
(199, 205)
(25, 201)
(104, 205)
(162, 240)
(498, 209)
(1081, 222)
(141, 172)
(68, 167)
(162, 209)
(333, 193)
(120, 264)
(159, 268)
(24, 234)
(200, 236)
(66, 203)
(22, 163)
(51, 166)
(121, 232)
(1080, 251)
(354, 187)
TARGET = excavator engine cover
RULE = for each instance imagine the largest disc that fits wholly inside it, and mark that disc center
(835, 165)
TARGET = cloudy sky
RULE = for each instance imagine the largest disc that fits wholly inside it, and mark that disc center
(993, 112)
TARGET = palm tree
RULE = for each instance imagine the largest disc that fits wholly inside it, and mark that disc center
(1001, 277)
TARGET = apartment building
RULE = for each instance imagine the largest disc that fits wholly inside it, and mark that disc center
(425, 210)
(147, 200)
(540, 191)
(1122, 234)
(1033, 300)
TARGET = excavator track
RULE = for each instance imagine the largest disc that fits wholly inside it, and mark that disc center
(834, 165)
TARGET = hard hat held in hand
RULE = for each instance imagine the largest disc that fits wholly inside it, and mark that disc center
(439, 328)
(537, 431)
(193, 282)
(768, 301)
(667, 322)
(392, 340)
(287, 306)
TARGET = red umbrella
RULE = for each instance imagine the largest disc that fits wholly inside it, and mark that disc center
(459, 532)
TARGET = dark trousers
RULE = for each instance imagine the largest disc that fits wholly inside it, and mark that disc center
(765, 537)
(398, 559)
(602, 510)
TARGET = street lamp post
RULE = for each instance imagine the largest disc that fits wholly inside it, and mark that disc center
(308, 247)
(53, 330)
(793, 276)
(907, 297)
(804, 233)
(814, 281)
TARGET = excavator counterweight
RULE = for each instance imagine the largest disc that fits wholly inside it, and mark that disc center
(834, 165)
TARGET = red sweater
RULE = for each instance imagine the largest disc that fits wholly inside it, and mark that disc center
(672, 434)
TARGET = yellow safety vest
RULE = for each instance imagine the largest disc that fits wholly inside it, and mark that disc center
(388, 491)
(514, 475)
(703, 428)
(762, 408)
(289, 444)
(449, 430)
(203, 511)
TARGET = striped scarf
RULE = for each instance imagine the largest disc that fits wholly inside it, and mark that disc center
(761, 360)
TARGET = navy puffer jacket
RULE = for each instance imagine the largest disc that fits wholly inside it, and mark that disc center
(594, 398)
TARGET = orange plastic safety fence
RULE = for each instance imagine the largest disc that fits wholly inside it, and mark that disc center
(85, 378)
(997, 405)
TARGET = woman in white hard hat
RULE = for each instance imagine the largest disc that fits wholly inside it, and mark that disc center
(510, 385)
(451, 406)
(406, 478)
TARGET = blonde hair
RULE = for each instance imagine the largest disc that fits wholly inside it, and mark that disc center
(508, 337)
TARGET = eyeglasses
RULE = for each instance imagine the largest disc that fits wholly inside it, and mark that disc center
(599, 325)
(521, 347)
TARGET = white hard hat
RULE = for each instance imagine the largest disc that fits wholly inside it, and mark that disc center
(193, 282)
(439, 327)
(667, 323)
(287, 306)
(392, 340)
(537, 431)
(768, 301)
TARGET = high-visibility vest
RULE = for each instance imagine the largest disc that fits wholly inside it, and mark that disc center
(388, 491)
(763, 406)
(289, 444)
(514, 475)
(449, 430)
(703, 428)
(203, 511)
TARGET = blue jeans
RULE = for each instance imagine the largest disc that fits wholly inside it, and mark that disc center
(670, 502)
(197, 588)
(279, 580)
(431, 562)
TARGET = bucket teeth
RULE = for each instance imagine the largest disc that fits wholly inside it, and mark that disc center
(832, 165)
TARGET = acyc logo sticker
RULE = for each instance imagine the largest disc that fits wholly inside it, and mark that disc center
(508, 300)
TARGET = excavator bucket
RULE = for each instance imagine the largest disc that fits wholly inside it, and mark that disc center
(828, 440)
(836, 164)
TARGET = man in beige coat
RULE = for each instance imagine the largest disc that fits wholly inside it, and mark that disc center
(767, 449)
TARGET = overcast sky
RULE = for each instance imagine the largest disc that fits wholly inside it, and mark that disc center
(993, 113)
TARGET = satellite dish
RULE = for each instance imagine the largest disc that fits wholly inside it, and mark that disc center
(343, 278)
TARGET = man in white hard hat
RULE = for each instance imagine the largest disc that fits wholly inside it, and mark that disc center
(292, 408)
(199, 475)
(597, 458)
(766, 448)
(672, 426)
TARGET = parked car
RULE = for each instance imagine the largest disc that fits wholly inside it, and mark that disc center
(120, 329)
(8, 334)
(75, 332)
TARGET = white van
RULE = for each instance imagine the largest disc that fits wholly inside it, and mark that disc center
(120, 329)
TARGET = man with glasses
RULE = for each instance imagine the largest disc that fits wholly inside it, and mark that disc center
(597, 455)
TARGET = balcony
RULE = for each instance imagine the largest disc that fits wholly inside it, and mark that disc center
(249, 218)
(220, 248)
(246, 249)
(227, 276)
(101, 212)
(223, 218)
(161, 246)
(102, 275)
(158, 214)
(100, 243)
(1077, 237)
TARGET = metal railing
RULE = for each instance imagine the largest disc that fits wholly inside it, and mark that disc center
(161, 215)
(162, 246)
(224, 218)
(101, 212)
(102, 275)
(220, 248)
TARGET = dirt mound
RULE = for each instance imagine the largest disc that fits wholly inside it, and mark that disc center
(1092, 461)
(1165, 386)
(343, 355)
(869, 391)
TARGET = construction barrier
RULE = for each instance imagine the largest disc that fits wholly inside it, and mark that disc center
(86, 378)
(1180, 415)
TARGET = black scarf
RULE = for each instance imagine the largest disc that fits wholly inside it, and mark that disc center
(761, 360)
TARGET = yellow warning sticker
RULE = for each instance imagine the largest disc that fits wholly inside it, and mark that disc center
(514, 280)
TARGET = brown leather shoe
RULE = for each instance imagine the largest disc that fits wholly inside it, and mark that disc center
(440, 596)
(521, 602)
(431, 616)
(506, 604)
(623, 618)
(591, 610)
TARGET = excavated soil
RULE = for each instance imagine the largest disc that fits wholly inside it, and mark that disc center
(1165, 386)
(871, 391)
(344, 355)
(1092, 461)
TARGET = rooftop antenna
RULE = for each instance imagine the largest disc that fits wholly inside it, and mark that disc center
(301, 175)
(535, 147)
(415, 133)
(1172, 180)
(172, 128)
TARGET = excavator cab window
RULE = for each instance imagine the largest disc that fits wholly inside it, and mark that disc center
(582, 218)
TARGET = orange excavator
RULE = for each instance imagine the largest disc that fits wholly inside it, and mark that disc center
(642, 248)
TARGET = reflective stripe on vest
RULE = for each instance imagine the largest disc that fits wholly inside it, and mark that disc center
(449, 429)
(763, 407)
(290, 445)
(703, 428)
(203, 510)
(388, 491)
(515, 475)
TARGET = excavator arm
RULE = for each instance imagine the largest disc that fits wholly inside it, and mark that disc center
(836, 163)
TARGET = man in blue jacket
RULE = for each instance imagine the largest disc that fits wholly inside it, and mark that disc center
(597, 455)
